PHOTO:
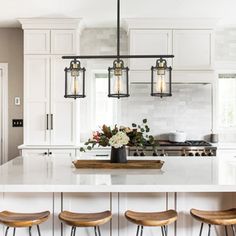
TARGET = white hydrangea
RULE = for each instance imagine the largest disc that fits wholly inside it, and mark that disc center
(118, 140)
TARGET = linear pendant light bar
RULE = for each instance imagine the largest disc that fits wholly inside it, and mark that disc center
(115, 56)
(118, 75)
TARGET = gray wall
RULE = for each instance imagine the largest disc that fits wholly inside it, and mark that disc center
(11, 52)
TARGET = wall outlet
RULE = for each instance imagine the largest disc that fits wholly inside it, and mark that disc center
(17, 101)
(17, 123)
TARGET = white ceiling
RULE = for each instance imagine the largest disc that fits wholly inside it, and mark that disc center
(102, 13)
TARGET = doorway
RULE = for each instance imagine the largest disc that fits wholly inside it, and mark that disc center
(3, 112)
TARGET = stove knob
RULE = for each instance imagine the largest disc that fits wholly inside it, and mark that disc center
(155, 154)
(142, 154)
(203, 154)
(136, 154)
(197, 154)
(190, 154)
(210, 153)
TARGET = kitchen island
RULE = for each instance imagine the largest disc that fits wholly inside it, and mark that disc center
(46, 183)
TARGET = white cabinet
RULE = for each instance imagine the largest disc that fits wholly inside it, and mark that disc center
(51, 152)
(193, 49)
(37, 41)
(63, 41)
(50, 41)
(152, 42)
(37, 99)
(49, 117)
(63, 110)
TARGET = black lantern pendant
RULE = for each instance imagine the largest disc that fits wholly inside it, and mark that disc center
(74, 80)
(118, 80)
(161, 79)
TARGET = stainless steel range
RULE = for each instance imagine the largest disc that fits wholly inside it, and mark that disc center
(165, 148)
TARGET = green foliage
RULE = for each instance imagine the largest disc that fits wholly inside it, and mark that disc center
(138, 135)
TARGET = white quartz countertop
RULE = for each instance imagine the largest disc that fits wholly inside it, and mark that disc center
(179, 174)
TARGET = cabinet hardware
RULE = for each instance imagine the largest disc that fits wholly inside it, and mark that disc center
(51, 121)
(47, 122)
(50, 153)
(102, 155)
(45, 153)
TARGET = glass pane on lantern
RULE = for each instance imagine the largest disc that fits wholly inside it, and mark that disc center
(161, 82)
(75, 83)
(118, 82)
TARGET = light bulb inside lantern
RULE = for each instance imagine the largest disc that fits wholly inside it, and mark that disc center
(118, 85)
(161, 84)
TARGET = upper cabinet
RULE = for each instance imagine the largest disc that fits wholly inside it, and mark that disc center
(37, 41)
(193, 49)
(149, 42)
(50, 42)
(191, 41)
(63, 41)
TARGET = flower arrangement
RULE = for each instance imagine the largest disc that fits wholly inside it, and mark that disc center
(118, 137)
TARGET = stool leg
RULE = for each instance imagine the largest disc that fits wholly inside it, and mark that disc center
(226, 231)
(141, 234)
(209, 230)
(200, 234)
(162, 231)
(14, 231)
(137, 230)
(39, 233)
(95, 230)
(233, 230)
(72, 231)
(6, 231)
(99, 232)
(30, 231)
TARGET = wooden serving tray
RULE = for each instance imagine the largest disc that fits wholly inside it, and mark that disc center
(106, 164)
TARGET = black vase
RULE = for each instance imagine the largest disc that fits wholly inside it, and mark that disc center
(118, 155)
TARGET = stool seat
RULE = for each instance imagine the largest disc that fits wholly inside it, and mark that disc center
(152, 218)
(13, 219)
(223, 217)
(85, 219)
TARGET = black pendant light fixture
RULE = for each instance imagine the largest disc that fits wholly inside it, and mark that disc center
(74, 80)
(118, 74)
(161, 79)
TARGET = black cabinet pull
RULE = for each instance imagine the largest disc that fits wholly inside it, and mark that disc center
(45, 153)
(47, 122)
(51, 121)
(50, 153)
(102, 155)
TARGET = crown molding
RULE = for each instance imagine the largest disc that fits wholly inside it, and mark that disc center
(170, 23)
(50, 23)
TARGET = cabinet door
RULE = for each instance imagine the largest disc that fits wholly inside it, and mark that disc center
(36, 94)
(34, 152)
(149, 42)
(193, 49)
(63, 41)
(62, 117)
(36, 41)
(70, 153)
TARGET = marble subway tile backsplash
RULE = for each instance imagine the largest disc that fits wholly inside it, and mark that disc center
(189, 110)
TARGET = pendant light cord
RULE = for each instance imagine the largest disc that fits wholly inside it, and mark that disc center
(118, 30)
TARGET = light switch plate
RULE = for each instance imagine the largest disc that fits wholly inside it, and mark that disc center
(17, 101)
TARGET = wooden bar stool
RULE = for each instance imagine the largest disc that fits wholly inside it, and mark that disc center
(20, 220)
(161, 219)
(85, 220)
(224, 218)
